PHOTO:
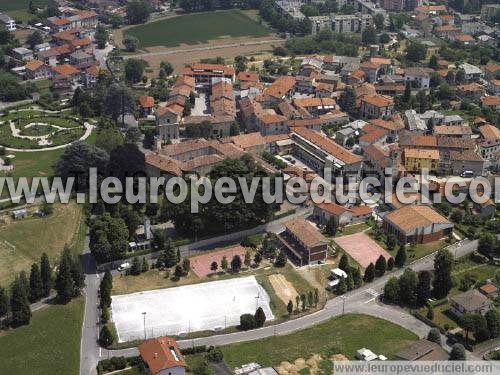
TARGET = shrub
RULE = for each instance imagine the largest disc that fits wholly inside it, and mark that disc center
(247, 321)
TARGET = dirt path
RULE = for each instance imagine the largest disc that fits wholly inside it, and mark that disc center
(283, 288)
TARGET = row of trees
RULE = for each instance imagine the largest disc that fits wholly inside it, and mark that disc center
(303, 301)
(414, 290)
(249, 321)
(484, 327)
(69, 281)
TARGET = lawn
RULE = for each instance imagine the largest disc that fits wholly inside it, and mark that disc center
(22, 242)
(351, 229)
(9, 5)
(49, 345)
(196, 29)
(344, 334)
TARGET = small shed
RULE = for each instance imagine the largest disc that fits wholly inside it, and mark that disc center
(20, 214)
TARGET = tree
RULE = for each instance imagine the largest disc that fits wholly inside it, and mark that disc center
(248, 259)
(167, 68)
(433, 62)
(138, 11)
(408, 287)
(384, 38)
(234, 129)
(247, 321)
(423, 287)
(316, 296)
(391, 241)
(369, 36)
(443, 265)
(131, 43)
(280, 259)
(34, 39)
(133, 136)
(105, 337)
(391, 290)
(236, 264)
(416, 51)
(460, 77)
(36, 285)
(108, 237)
(289, 307)
(178, 273)
(349, 281)
(344, 263)
(46, 275)
(214, 266)
(356, 277)
(487, 244)
(457, 353)
(134, 69)
(77, 159)
(101, 36)
(186, 265)
(310, 298)
(269, 245)
(135, 269)
(430, 313)
(109, 136)
(303, 301)
(457, 215)
(390, 264)
(257, 258)
(492, 322)
(407, 93)
(347, 101)
(380, 266)
(260, 317)
(378, 20)
(400, 256)
(119, 101)
(145, 265)
(341, 286)
(369, 273)
(4, 302)
(224, 263)
(19, 304)
(434, 336)
(64, 279)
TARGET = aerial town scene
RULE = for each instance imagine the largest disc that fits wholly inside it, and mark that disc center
(249, 187)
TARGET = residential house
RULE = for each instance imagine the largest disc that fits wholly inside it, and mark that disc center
(323, 212)
(418, 76)
(49, 57)
(253, 143)
(494, 87)
(203, 73)
(415, 160)
(492, 102)
(466, 160)
(472, 72)
(146, 105)
(162, 356)
(376, 106)
(470, 302)
(472, 91)
(303, 242)
(8, 22)
(492, 71)
(22, 54)
(81, 60)
(489, 290)
(486, 210)
(370, 70)
(280, 89)
(416, 224)
(167, 121)
(36, 69)
(458, 131)
(489, 143)
(67, 70)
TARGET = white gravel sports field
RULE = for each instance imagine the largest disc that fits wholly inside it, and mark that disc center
(190, 308)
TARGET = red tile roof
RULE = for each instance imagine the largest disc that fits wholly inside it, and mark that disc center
(146, 101)
(161, 354)
(66, 70)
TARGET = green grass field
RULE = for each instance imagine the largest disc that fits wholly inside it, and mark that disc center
(9, 5)
(49, 345)
(22, 242)
(344, 334)
(196, 28)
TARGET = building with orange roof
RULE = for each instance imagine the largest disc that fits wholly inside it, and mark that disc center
(430, 9)
(458, 131)
(492, 71)
(253, 143)
(371, 135)
(204, 73)
(315, 106)
(66, 70)
(376, 106)
(494, 86)
(162, 356)
(356, 77)
(320, 152)
(342, 215)
(36, 69)
(248, 77)
(416, 224)
(463, 38)
(446, 30)
(58, 24)
(492, 102)
(281, 88)
(414, 160)
(472, 91)
(146, 104)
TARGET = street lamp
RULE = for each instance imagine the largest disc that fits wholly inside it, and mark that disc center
(144, 316)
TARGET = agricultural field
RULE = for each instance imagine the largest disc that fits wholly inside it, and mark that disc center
(49, 345)
(196, 29)
(22, 242)
(345, 334)
(10, 5)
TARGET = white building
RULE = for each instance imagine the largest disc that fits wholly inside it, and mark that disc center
(8, 22)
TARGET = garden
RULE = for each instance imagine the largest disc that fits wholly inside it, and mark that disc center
(38, 129)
